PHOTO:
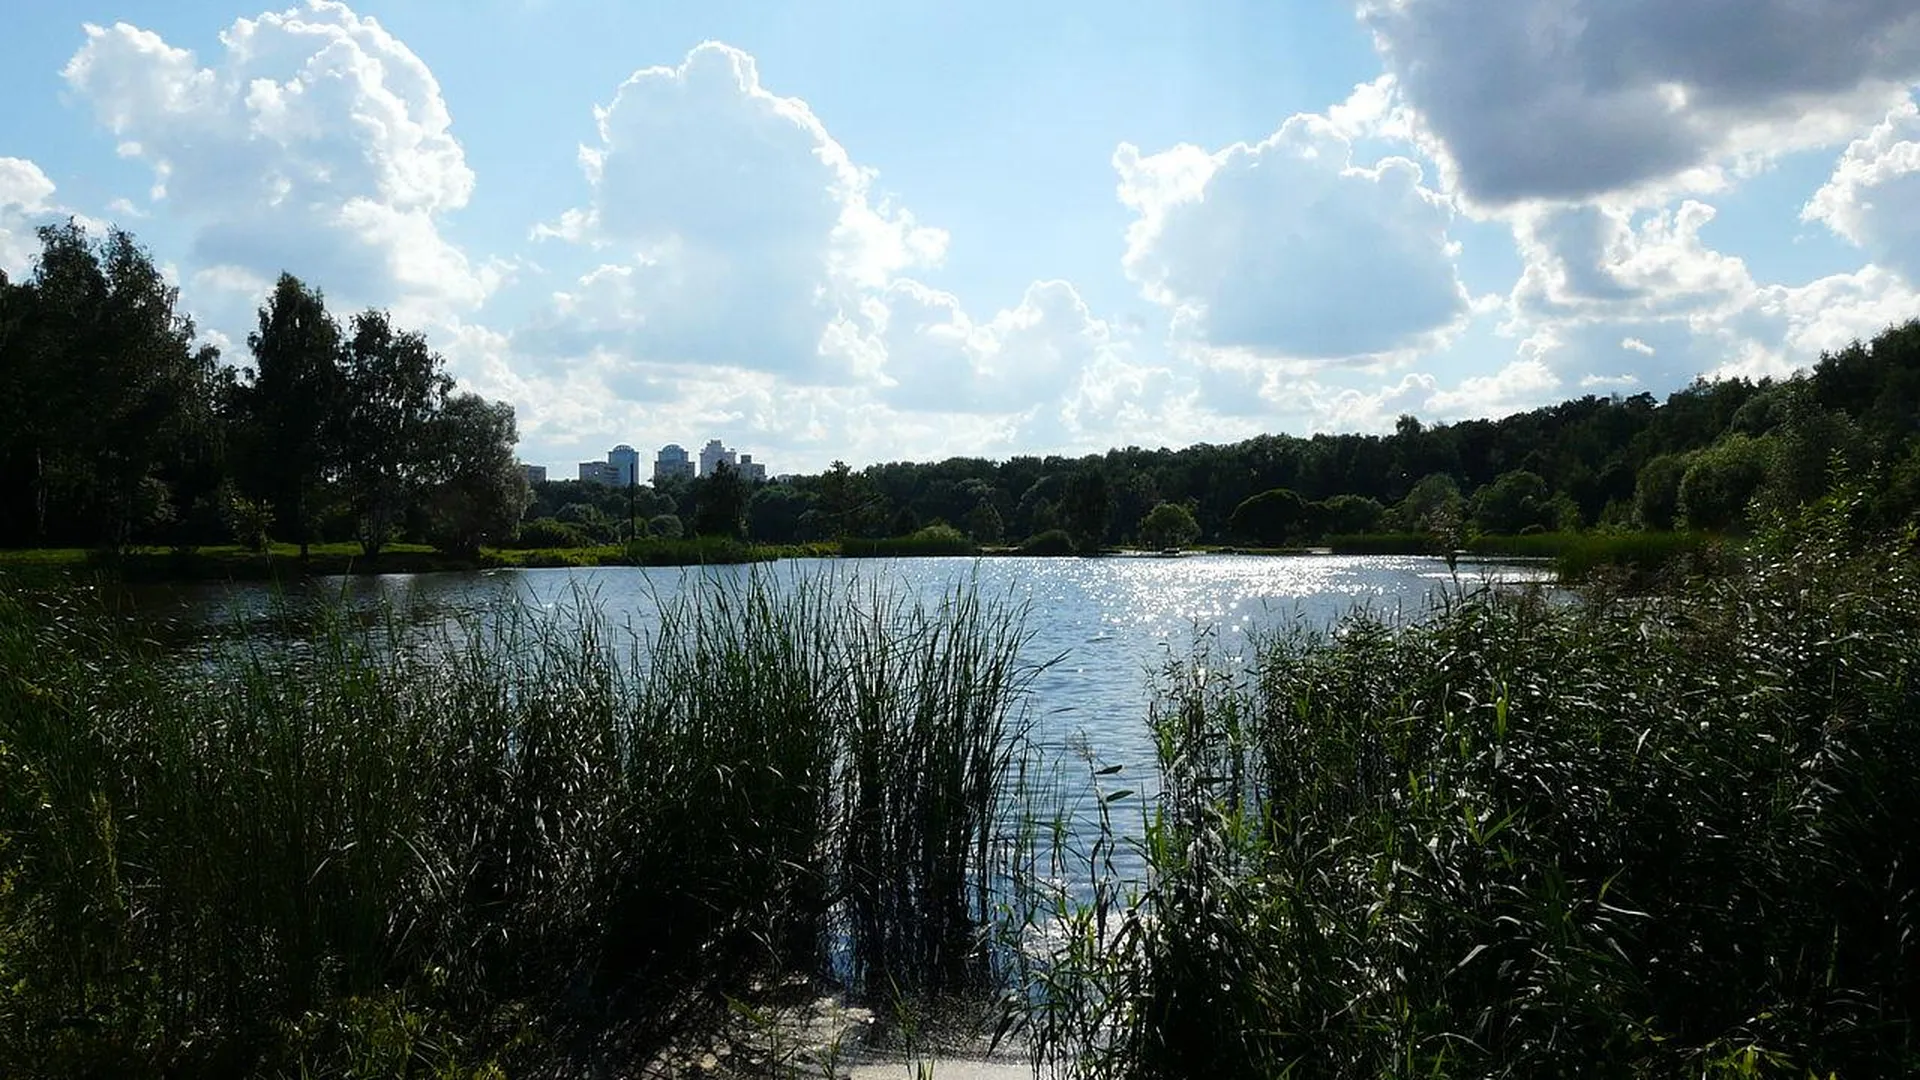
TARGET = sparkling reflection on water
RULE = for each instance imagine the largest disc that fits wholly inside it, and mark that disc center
(1109, 625)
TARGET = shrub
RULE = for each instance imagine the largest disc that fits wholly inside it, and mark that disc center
(1051, 542)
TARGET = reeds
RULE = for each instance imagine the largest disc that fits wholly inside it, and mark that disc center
(531, 839)
(1661, 837)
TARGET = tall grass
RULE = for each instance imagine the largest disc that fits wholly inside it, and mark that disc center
(537, 842)
(1666, 837)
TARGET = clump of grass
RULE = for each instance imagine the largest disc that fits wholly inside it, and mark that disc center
(933, 540)
(1385, 544)
(1646, 838)
(537, 840)
(1577, 556)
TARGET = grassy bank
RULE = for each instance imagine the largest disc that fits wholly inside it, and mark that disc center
(234, 563)
(538, 845)
(1645, 838)
(1578, 555)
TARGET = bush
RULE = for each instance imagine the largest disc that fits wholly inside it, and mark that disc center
(1051, 542)
(549, 533)
(933, 540)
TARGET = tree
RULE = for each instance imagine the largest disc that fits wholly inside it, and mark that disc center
(720, 503)
(479, 492)
(1169, 525)
(774, 513)
(983, 523)
(1347, 515)
(1656, 493)
(295, 390)
(1514, 503)
(1086, 509)
(666, 525)
(1270, 518)
(1434, 505)
(1721, 481)
(392, 386)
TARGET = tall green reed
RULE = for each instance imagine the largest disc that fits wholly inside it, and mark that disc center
(531, 824)
(1653, 837)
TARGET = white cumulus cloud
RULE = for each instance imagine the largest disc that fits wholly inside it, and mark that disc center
(315, 142)
(1287, 247)
(740, 231)
(25, 192)
(1873, 197)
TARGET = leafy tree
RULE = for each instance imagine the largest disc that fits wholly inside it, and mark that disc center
(392, 384)
(1656, 495)
(666, 525)
(1721, 481)
(774, 512)
(479, 492)
(720, 503)
(1271, 518)
(1086, 508)
(1434, 505)
(1348, 515)
(1169, 525)
(984, 525)
(295, 391)
(1516, 502)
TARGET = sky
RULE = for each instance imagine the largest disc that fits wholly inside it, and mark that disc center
(840, 230)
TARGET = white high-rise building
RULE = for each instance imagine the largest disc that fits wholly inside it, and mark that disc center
(752, 470)
(598, 472)
(713, 454)
(626, 465)
(672, 462)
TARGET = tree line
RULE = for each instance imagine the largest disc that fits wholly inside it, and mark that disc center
(119, 429)
(1711, 457)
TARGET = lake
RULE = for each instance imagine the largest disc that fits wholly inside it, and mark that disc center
(1107, 625)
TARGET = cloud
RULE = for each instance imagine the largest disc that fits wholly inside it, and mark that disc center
(740, 231)
(1608, 261)
(25, 192)
(316, 142)
(1634, 344)
(1573, 99)
(1871, 198)
(1286, 247)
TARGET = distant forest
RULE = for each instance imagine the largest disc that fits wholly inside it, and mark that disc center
(1710, 457)
(116, 429)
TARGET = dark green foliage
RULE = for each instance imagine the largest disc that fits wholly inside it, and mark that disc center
(1086, 509)
(720, 503)
(1720, 481)
(478, 493)
(1384, 544)
(984, 524)
(1624, 838)
(1168, 525)
(1051, 542)
(1514, 503)
(392, 387)
(548, 533)
(1270, 519)
(1656, 495)
(774, 513)
(1349, 515)
(295, 393)
(932, 540)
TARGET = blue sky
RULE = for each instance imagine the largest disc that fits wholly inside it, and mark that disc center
(903, 231)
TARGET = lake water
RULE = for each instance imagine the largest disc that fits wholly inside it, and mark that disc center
(1110, 624)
